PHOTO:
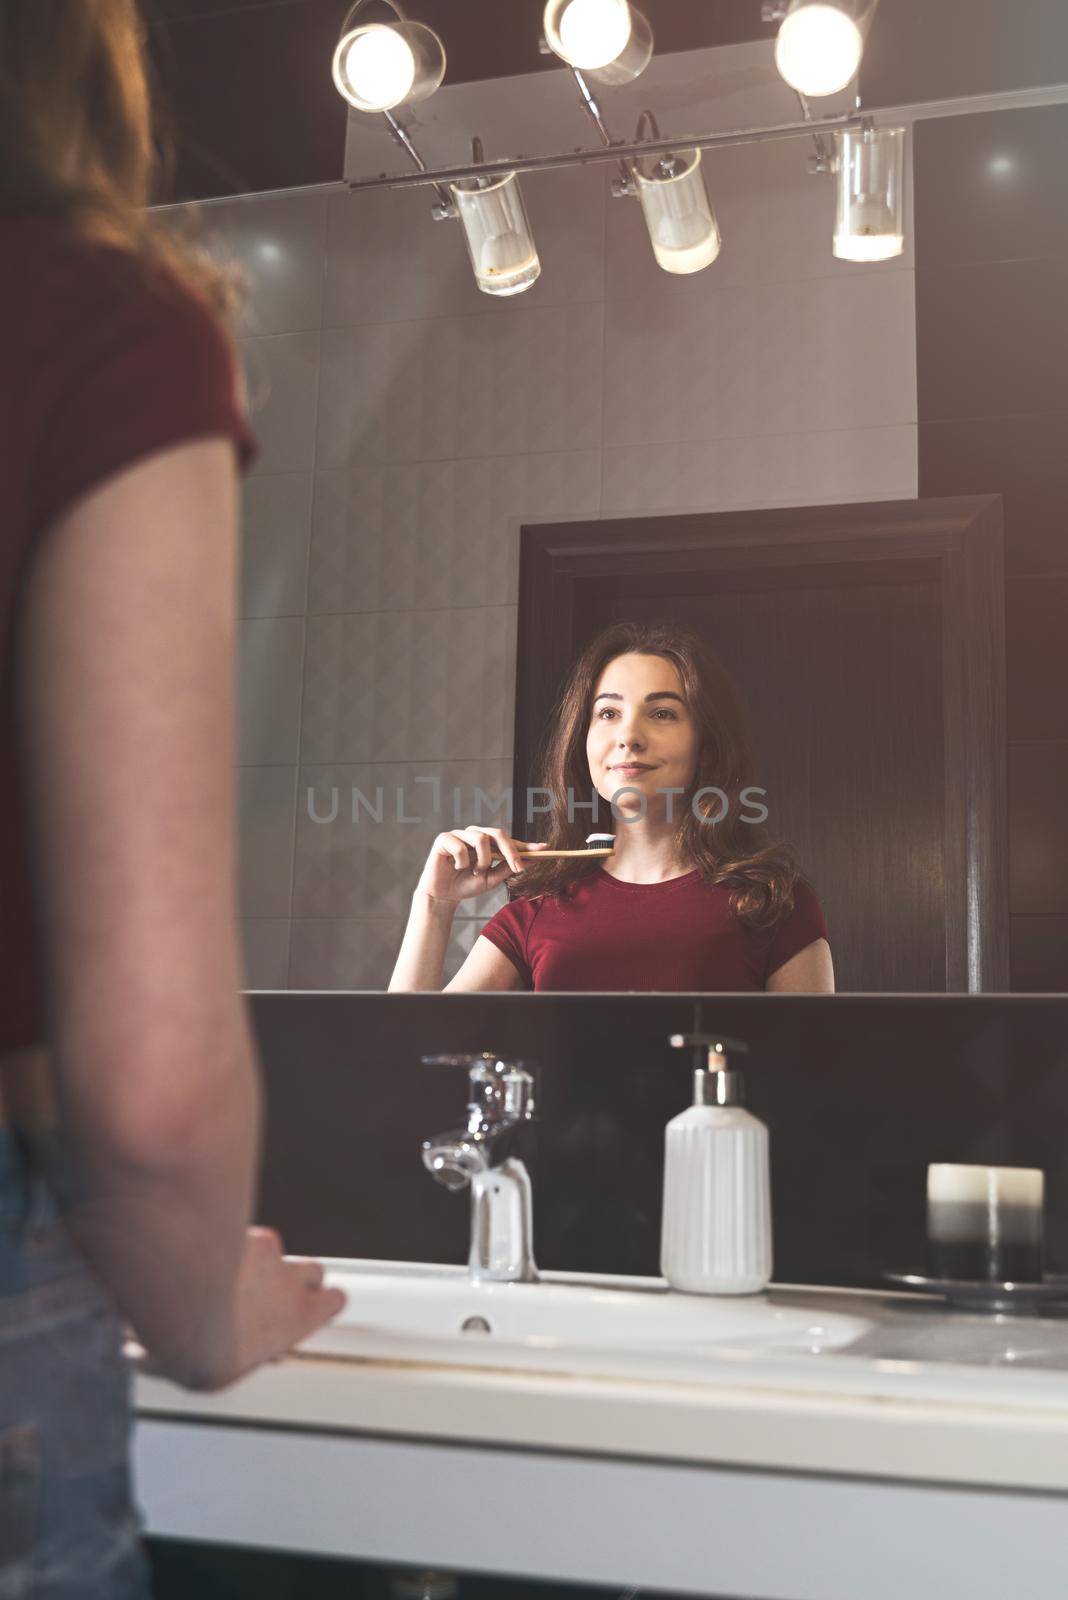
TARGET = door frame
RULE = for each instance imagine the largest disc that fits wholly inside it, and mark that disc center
(962, 533)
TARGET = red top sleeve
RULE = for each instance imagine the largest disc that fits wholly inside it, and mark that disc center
(150, 370)
(799, 928)
(508, 929)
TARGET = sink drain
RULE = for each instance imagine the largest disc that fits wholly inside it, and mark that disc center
(475, 1325)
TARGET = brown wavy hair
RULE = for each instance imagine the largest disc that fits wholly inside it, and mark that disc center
(761, 870)
(80, 140)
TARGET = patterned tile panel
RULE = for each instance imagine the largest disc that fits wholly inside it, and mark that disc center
(265, 941)
(266, 809)
(279, 243)
(282, 381)
(270, 651)
(410, 685)
(364, 831)
(787, 469)
(520, 383)
(762, 359)
(331, 954)
(275, 535)
(437, 533)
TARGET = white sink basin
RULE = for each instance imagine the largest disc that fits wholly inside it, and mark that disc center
(435, 1313)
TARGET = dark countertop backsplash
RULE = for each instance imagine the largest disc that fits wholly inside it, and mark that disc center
(860, 1092)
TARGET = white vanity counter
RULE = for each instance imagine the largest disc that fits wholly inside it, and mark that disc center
(845, 1473)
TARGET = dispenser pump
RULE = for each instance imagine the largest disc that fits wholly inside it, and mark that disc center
(716, 1224)
(715, 1083)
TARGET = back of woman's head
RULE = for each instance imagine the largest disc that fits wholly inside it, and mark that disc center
(78, 136)
(715, 833)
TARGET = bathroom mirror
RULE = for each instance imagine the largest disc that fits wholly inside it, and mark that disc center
(423, 440)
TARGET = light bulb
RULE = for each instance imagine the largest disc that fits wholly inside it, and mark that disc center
(818, 49)
(868, 246)
(505, 261)
(683, 245)
(375, 68)
(594, 32)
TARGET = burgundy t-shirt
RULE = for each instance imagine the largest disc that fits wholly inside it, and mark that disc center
(97, 369)
(678, 935)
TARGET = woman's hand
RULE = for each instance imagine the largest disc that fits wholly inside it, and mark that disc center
(277, 1302)
(458, 866)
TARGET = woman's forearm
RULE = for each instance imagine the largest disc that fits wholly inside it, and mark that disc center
(163, 1221)
(421, 961)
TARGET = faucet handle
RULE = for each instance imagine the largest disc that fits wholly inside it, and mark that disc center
(501, 1090)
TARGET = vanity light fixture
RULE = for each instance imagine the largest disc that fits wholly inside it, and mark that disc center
(381, 65)
(869, 167)
(680, 221)
(613, 42)
(496, 230)
(820, 42)
(682, 225)
(610, 40)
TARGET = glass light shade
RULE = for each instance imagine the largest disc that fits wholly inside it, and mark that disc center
(870, 173)
(609, 40)
(682, 226)
(497, 233)
(820, 43)
(383, 65)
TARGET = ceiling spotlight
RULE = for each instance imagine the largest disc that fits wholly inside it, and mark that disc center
(682, 226)
(608, 39)
(496, 231)
(820, 43)
(870, 173)
(381, 65)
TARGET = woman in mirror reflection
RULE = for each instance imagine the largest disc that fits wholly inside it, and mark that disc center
(649, 740)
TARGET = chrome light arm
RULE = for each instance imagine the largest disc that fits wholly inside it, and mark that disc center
(445, 206)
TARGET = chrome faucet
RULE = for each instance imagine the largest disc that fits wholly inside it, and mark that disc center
(480, 1154)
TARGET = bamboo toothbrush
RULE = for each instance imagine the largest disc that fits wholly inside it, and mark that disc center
(597, 844)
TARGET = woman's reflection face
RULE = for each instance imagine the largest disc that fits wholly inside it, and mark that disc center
(639, 715)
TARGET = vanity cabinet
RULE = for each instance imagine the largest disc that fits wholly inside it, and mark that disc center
(900, 1475)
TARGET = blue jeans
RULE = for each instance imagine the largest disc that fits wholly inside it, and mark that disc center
(69, 1529)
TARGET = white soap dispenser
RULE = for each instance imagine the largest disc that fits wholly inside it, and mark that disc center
(716, 1232)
